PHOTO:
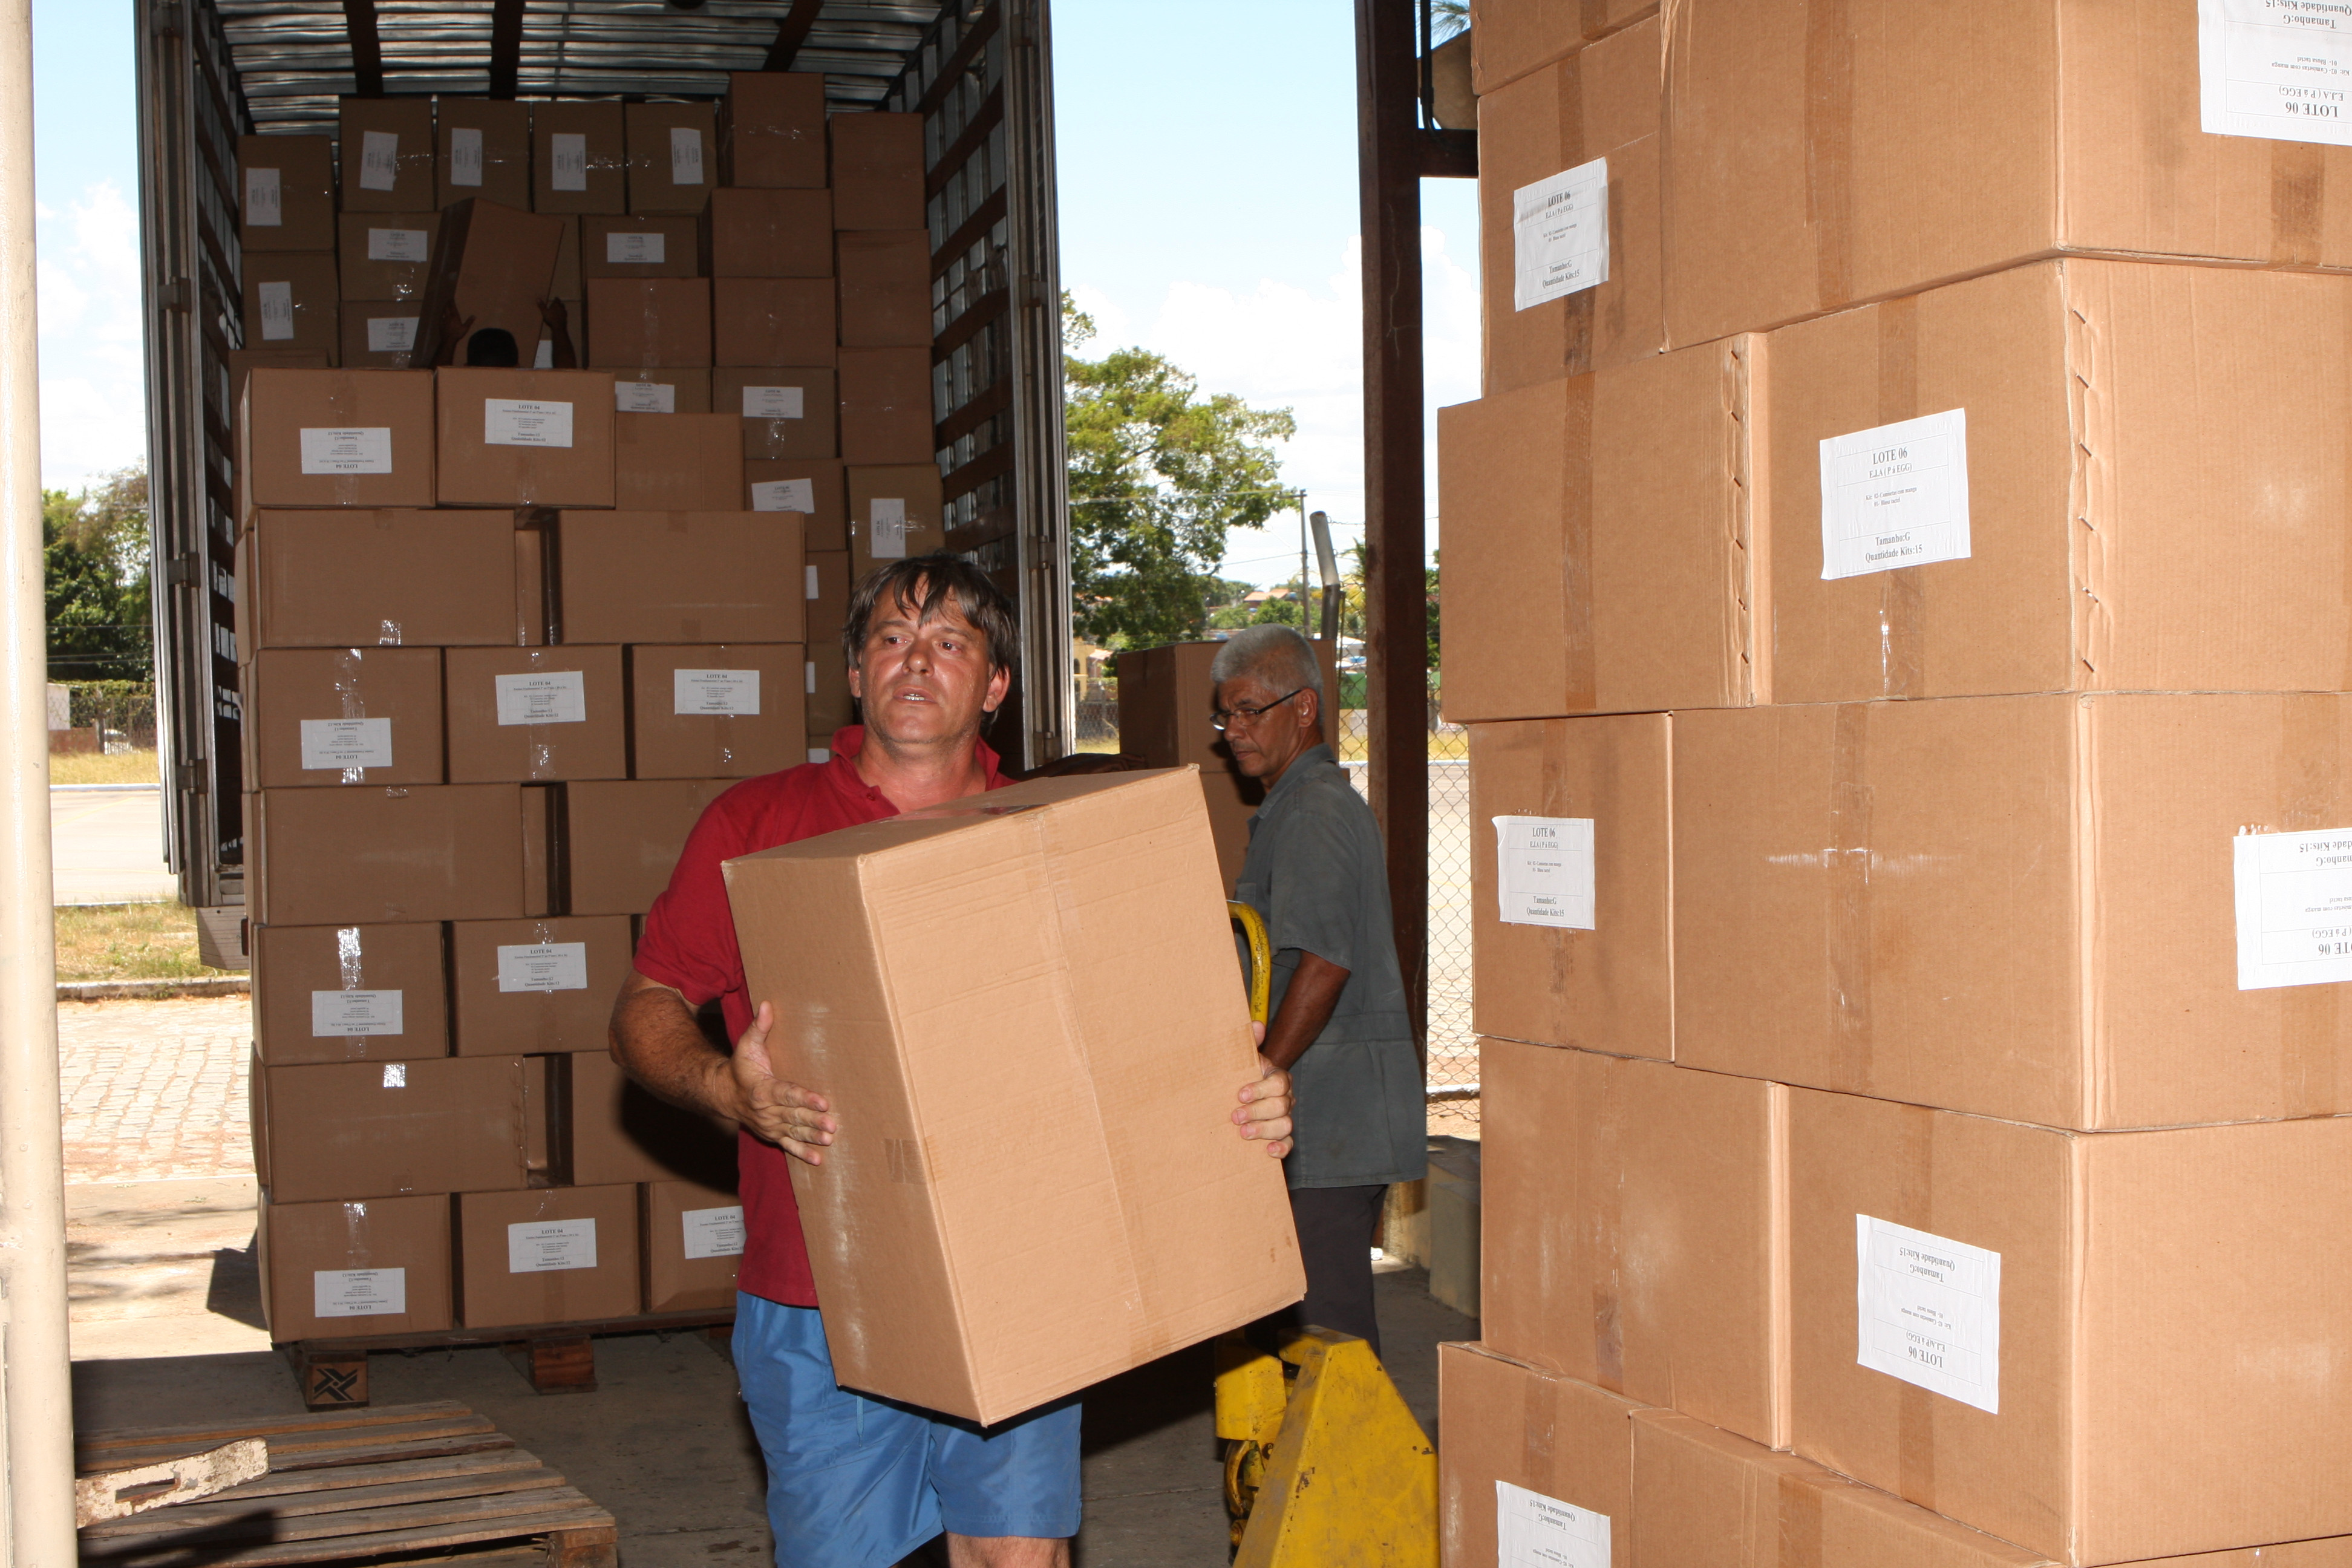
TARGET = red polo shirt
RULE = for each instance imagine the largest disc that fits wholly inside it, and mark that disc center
(690, 943)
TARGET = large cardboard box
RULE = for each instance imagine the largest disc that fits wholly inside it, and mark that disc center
(1166, 703)
(523, 437)
(1233, 799)
(337, 437)
(769, 233)
(333, 1270)
(378, 334)
(1617, 527)
(1632, 1215)
(568, 283)
(2020, 907)
(385, 256)
(1506, 1424)
(242, 362)
(830, 705)
(621, 840)
(292, 301)
(815, 487)
(1603, 102)
(673, 156)
(385, 148)
(493, 265)
(482, 148)
(370, 579)
(579, 159)
(886, 405)
(716, 710)
(886, 287)
(1571, 891)
(617, 1131)
(772, 129)
(895, 511)
(357, 856)
(680, 577)
(2016, 1326)
(383, 1129)
(1508, 39)
(691, 1236)
(355, 993)
(563, 1255)
(773, 321)
(877, 171)
(787, 413)
(286, 193)
(1153, 1226)
(343, 715)
(535, 985)
(659, 389)
(649, 323)
(640, 244)
(678, 462)
(537, 715)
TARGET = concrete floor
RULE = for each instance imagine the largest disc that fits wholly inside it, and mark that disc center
(110, 845)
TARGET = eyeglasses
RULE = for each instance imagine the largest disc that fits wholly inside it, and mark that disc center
(1221, 719)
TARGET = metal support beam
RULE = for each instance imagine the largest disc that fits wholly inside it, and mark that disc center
(792, 32)
(367, 48)
(506, 48)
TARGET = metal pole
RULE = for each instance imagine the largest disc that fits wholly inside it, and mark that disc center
(35, 1357)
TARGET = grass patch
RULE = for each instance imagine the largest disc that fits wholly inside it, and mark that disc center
(129, 942)
(90, 767)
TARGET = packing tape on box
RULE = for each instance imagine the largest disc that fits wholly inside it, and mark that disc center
(1829, 148)
(351, 695)
(344, 410)
(1847, 895)
(1576, 547)
(1539, 1426)
(1576, 334)
(1914, 1203)
(1604, 1184)
(2298, 200)
(1902, 640)
(1798, 1518)
(2310, 775)
(357, 1250)
(1592, 16)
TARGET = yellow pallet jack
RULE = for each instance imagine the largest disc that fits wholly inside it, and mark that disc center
(1324, 1464)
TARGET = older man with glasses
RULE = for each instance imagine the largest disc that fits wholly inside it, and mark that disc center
(1316, 874)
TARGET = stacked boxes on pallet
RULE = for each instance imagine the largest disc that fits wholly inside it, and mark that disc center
(1897, 570)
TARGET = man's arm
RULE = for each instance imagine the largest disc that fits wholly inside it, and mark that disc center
(1306, 1006)
(656, 1040)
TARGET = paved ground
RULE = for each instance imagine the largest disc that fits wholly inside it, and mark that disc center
(155, 1090)
(109, 845)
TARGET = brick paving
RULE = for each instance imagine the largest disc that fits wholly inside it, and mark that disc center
(155, 1090)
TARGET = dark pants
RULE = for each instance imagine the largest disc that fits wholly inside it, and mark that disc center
(1336, 1226)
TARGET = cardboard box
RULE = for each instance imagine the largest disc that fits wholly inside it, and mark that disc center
(377, 335)
(2027, 908)
(365, 579)
(384, 1129)
(536, 985)
(523, 437)
(673, 156)
(1580, 950)
(1605, 101)
(877, 171)
(619, 1133)
(385, 146)
(292, 301)
(680, 577)
(1508, 39)
(533, 614)
(286, 193)
(1233, 800)
(640, 244)
(895, 511)
(494, 266)
(813, 487)
(659, 389)
(1166, 702)
(830, 706)
(678, 462)
(569, 283)
(241, 363)
(691, 1236)
(482, 148)
(355, 993)
(886, 287)
(343, 715)
(1617, 527)
(579, 162)
(563, 1255)
(773, 321)
(649, 321)
(1153, 1227)
(886, 405)
(771, 131)
(357, 856)
(540, 860)
(385, 256)
(769, 233)
(718, 710)
(336, 1270)
(1506, 1423)
(621, 841)
(537, 714)
(787, 414)
(2080, 1277)
(1632, 1215)
(337, 438)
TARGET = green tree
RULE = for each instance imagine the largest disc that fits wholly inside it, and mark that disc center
(94, 554)
(1158, 474)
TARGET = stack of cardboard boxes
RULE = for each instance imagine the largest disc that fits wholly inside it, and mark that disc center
(1896, 576)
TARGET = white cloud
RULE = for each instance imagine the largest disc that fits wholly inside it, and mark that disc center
(92, 343)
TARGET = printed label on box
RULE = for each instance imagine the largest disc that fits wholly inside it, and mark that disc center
(277, 311)
(784, 495)
(567, 153)
(685, 155)
(346, 743)
(635, 249)
(773, 403)
(379, 159)
(525, 421)
(541, 1246)
(359, 1293)
(1560, 235)
(1546, 871)
(812, 582)
(348, 1014)
(390, 334)
(2279, 69)
(886, 529)
(264, 201)
(544, 358)
(714, 1233)
(1532, 1530)
(544, 966)
(645, 397)
(820, 756)
(808, 676)
(543, 697)
(365, 450)
(1895, 495)
(400, 245)
(730, 691)
(2294, 908)
(1930, 1311)
(465, 155)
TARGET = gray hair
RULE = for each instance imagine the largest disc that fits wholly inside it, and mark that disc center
(1275, 654)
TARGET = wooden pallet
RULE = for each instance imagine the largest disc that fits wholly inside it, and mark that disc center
(351, 1487)
(554, 1358)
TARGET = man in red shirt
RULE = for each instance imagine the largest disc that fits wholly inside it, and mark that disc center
(852, 1481)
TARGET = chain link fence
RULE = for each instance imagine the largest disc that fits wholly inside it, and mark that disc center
(104, 716)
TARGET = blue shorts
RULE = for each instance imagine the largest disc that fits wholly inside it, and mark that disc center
(859, 1482)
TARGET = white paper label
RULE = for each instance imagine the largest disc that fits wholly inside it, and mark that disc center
(1895, 495)
(541, 1246)
(2280, 70)
(366, 449)
(359, 1293)
(819, 755)
(544, 358)
(1532, 1530)
(1560, 235)
(346, 1015)
(713, 1233)
(525, 421)
(465, 155)
(390, 334)
(808, 676)
(772, 402)
(400, 245)
(2294, 908)
(277, 311)
(784, 495)
(685, 155)
(340, 743)
(1930, 1311)
(544, 966)
(1546, 871)
(568, 153)
(886, 529)
(543, 697)
(645, 396)
(812, 582)
(379, 159)
(264, 204)
(635, 249)
(728, 691)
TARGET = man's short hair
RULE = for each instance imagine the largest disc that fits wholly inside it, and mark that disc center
(493, 346)
(1277, 654)
(924, 584)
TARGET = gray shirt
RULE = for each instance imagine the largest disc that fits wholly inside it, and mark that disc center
(1315, 873)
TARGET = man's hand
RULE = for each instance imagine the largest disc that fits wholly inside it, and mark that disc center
(795, 1120)
(1265, 1111)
